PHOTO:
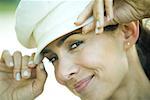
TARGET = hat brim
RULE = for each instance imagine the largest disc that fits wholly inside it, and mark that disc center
(64, 29)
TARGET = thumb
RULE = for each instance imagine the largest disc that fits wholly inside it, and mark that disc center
(41, 74)
(39, 82)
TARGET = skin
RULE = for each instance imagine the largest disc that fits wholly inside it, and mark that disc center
(117, 11)
(113, 79)
(14, 84)
(106, 61)
(109, 72)
(85, 61)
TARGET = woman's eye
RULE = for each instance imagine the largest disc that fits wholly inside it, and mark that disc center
(52, 59)
(111, 27)
(75, 44)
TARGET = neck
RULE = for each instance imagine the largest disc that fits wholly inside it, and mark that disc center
(135, 85)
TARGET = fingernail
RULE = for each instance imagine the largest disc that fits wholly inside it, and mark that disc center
(18, 76)
(11, 64)
(98, 31)
(25, 73)
(98, 25)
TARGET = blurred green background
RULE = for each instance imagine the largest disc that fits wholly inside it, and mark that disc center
(8, 5)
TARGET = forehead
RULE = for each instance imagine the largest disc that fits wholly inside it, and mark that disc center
(110, 28)
(58, 42)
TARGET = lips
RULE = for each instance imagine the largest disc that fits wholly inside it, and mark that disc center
(79, 86)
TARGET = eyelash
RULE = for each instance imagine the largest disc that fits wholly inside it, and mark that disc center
(111, 27)
(75, 44)
(53, 59)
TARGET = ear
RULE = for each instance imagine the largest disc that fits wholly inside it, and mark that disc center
(130, 33)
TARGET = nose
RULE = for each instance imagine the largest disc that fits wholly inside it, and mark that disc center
(66, 70)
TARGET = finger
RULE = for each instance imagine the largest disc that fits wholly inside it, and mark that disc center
(25, 70)
(91, 26)
(31, 61)
(41, 76)
(109, 9)
(7, 58)
(17, 56)
(88, 28)
(98, 11)
(4, 68)
(87, 12)
(33, 73)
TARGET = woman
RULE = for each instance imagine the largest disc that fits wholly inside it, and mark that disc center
(94, 67)
(99, 67)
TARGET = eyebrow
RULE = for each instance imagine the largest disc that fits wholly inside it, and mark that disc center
(61, 41)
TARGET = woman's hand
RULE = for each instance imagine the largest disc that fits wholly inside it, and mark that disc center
(20, 79)
(116, 11)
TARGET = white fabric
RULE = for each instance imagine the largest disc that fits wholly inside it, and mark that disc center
(40, 22)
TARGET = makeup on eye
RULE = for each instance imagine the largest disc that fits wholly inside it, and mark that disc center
(71, 45)
(73, 41)
(111, 27)
(74, 44)
(52, 58)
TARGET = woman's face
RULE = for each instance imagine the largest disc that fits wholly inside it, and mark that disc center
(91, 66)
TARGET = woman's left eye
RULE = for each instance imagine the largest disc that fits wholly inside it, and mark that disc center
(52, 58)
(75, 44)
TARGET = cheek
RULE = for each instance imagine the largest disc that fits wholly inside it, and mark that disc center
(114, 64)
(57, 76)
(108, 58)
(91, 56)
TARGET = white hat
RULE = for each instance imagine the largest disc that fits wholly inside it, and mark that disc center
(40, 22)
